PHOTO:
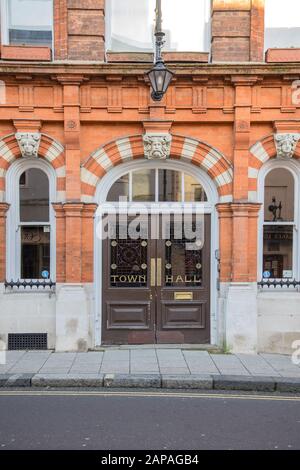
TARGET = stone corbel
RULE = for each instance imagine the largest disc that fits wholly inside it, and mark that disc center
(286, 144)
(29, 143)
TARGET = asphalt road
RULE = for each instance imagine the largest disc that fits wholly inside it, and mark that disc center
(147, 420)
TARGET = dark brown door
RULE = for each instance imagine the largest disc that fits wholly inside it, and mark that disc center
(156, 289)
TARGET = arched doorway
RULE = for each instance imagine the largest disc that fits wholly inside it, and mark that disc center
(158, 287)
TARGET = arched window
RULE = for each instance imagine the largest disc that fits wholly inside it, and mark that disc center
(279, 226)
(30, 188)
(34, 224)
(157, 185)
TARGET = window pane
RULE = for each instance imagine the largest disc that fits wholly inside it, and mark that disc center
(279, 196)
(183, 265)
(143, 185)
(169, 185)
(282, 28)
(34, 197)
(193, 191)
(278, 251)
(130, 25)
(35, 252)
(30, 21)
(119, 189)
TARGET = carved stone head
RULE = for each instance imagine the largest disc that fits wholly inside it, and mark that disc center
(286, 144)
(157, 147)
(29, 143)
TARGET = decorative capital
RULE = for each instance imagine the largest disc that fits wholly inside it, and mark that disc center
(286, 144)
(29, 143)
(157, 146)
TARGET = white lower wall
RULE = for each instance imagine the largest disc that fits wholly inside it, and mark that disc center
(278, 320)
(238, 320)
(74, 317)
(246, 320)
(66, 315)
(27, 312)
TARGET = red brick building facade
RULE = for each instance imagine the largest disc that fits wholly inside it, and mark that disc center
(90, 109)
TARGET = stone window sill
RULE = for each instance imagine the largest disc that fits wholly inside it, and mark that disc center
(40, 53)
(283, 55)
(148, 57)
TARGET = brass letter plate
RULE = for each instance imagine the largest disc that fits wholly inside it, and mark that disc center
(183, 295)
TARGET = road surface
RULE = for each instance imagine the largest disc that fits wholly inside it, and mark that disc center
(128, 420)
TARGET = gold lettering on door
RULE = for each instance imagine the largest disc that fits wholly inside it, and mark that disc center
(178, 279)
(129, 279)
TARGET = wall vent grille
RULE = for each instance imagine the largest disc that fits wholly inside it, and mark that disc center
(23, 341)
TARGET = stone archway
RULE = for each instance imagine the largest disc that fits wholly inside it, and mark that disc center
(130, 148)
(262, 151)
(49, 149)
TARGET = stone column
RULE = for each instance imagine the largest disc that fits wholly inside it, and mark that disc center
(60, 242)
(72, 306)
(88, 217)
(225, 243)
(225, 266)
(241, 301)
(3, 210)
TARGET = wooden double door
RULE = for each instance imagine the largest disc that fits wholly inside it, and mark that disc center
(156, 287)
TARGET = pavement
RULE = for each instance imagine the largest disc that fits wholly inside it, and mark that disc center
(170, 368)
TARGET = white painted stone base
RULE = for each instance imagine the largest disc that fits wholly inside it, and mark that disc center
(27, 312)
(73, 313)
(278, 320)
(240, 317)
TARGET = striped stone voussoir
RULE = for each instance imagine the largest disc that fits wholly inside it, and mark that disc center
(130, 148)
(49, 149)
(260, 153)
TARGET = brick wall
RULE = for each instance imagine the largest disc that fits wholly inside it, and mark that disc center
(79, 29)
(237, 30)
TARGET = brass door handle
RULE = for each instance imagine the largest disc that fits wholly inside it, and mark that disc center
(152, 272)
(158, 272)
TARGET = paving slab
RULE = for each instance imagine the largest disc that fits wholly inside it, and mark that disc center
(12, 357)
(87, 363)
(31, 362)
(200, 362)
(257, 365)
(172, 360)
(282, 364)
(228, 364)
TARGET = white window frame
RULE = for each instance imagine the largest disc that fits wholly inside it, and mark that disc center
(294, 168)
(276, 45)
(156, 189)
(108, 16)
(13, 232)
(4, 24)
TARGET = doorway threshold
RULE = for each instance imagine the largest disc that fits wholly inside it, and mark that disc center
(193, 347)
